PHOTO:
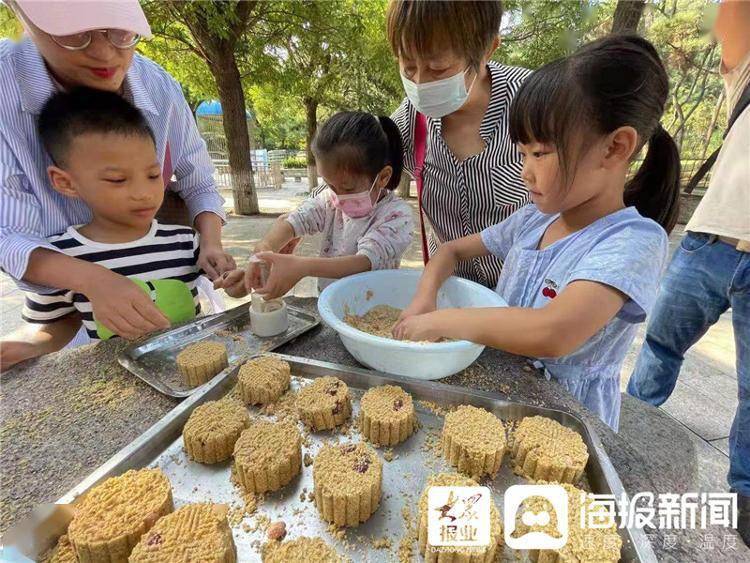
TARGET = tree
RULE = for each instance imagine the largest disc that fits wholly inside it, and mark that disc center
(213, 32)
(692, 61)
(330, 54)
(538, 31)
(627, 16)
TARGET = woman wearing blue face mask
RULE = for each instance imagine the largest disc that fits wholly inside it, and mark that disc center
(365, 226)
(454, 123)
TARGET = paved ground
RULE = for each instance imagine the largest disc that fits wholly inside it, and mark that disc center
(704, 400)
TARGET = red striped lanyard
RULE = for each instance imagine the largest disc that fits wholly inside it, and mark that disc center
(420, 148)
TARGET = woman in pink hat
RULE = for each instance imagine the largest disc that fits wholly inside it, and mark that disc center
(78, 43)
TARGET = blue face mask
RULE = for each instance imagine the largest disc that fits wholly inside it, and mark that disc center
(439, 98)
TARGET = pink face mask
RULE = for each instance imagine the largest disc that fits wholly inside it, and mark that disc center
(356, 205)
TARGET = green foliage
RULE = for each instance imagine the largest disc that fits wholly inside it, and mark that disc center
(10, 27)
(335, 53)
(295, 162)
(326, 55)
(692, 58)
(280, 118)
(539, 31)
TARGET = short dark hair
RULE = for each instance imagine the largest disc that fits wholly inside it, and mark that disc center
(361, 143)
(467, 27)
(67, 115)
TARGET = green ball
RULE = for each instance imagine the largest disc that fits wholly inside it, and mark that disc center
(172, 297)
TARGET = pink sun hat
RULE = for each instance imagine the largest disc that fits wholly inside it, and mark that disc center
(67, 17)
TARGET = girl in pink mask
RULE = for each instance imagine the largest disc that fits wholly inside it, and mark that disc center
(365, 225)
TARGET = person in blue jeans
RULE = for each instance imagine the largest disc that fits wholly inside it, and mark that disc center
(710, 271)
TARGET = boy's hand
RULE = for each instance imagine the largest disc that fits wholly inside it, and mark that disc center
(233, 283)
(122, 306)
(418, 328)
(286, 271)
(214, 261)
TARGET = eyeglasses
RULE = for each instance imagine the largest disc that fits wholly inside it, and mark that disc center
(119, 38)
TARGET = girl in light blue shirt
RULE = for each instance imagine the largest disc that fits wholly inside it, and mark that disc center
(583, 261)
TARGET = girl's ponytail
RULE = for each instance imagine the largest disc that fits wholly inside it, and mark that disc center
(655, 188)
(395, 150)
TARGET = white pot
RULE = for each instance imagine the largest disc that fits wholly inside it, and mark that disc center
(359, 293)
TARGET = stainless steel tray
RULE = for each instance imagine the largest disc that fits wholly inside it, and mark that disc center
(154, 360)
(403, 478)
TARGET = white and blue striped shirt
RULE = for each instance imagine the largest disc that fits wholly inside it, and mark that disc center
(30, 210)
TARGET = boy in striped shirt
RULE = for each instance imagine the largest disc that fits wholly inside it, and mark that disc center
(104, 155)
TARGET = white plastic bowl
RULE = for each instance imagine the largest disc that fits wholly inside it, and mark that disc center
(359, 293)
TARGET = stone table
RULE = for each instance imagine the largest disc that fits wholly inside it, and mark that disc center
(64, 415)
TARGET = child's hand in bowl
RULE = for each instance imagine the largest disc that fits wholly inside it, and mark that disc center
(419, 306)
(418, 328)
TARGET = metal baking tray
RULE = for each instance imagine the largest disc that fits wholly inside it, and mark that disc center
(403, 477)
(154, 360)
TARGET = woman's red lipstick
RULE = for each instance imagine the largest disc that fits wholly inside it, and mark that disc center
(104, 72)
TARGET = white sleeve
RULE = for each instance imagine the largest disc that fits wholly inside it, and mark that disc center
(310, 217)
(389, 237)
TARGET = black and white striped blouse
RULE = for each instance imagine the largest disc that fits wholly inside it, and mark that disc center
(166, 260)
(464, 198)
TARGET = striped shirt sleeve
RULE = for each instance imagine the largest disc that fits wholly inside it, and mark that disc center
(193, 167)
(20, 218)
(404, 118)
(46, 309)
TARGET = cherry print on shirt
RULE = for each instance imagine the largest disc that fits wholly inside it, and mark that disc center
(550, 289)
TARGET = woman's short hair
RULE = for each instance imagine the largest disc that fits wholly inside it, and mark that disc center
(466, 28)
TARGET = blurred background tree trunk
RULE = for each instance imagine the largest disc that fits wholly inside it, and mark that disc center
(627, 16)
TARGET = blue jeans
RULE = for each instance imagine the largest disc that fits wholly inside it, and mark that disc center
(704, 279)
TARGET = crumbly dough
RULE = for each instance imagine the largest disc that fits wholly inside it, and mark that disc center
(263, 380)
(194, 532)
(112, 517)
(378, 321)
(212, 430)
(301, 550)
(199, 362)
(386, 415)
(324, 403)
(473, 441)
(347, 479)
(545, 449)
(267, 456)
(61, 553)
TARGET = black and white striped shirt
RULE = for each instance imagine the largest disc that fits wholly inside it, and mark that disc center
(167, 252)
(464, 198)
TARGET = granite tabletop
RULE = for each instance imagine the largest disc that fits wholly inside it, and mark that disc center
(64, 415)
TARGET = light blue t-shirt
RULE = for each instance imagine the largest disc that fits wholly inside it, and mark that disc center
(623, 250)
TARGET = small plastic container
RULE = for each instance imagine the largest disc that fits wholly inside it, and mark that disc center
(270, 318)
